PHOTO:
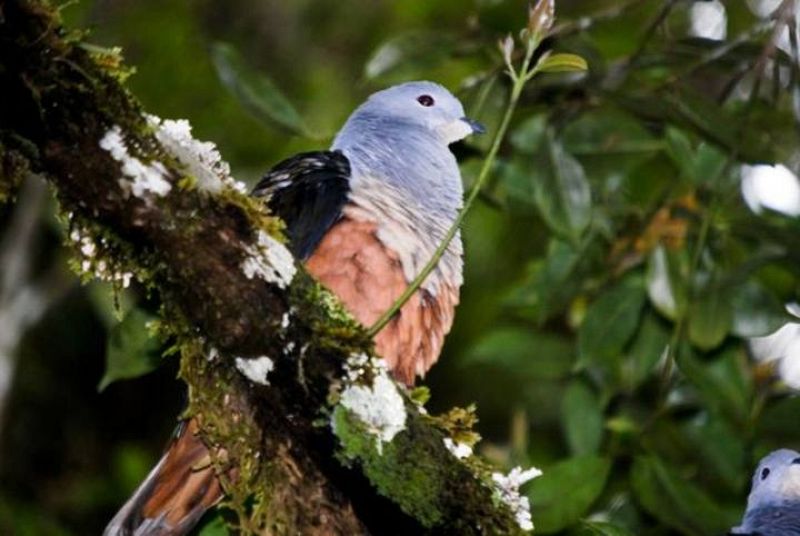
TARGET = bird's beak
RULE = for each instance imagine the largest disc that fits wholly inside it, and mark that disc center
(476, 127)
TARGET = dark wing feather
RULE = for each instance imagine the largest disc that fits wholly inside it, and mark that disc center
(308, 192)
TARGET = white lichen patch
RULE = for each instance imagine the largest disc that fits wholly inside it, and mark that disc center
(255, 369)
(459, 450)
(90, 264)
(201, 158)
(269, 260)
(356, 366)
(507, 489)
(140, 180)
(379, 406)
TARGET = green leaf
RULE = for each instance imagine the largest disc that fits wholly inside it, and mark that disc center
(524, 351)
(710, 318)
(647, 349)
(130, 350)
(582, 418)
(716, 446)
(562, 63)
(702, 165)
(407, 54)
(566, 491)
(665, 281)
(708, 164)
(723, 381)
(550, 283)
(215, 526)
(608, 133)
(673, 500)
(756, 312)
(680, 149)
(528, 136)
(562, 192)
(610, 323)
(256, 92)
(599, 528)
(518, 183)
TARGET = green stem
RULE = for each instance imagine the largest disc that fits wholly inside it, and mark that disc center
(516, 90)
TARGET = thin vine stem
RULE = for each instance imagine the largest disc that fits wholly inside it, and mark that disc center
(519, 80)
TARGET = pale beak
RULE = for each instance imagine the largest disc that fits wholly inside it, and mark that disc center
(476, 127)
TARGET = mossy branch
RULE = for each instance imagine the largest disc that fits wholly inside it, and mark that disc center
(189, 244)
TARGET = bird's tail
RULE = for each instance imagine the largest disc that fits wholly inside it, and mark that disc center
(176, 493)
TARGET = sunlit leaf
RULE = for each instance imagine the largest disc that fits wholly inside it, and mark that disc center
(554, 508)
(130, 350)
(582, 418)
(665, 282)
(710, 318)
(674, 500)
(256, 92)
(610, 323)
(562, 193)
(562, 63)
(647, 349)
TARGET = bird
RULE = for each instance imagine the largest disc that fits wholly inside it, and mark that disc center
(773, 506)
(365, 217)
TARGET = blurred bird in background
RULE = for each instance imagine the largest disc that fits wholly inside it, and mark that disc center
(773, 507)
(365, 217)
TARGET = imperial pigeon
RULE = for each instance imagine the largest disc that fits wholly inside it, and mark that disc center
(365, 217)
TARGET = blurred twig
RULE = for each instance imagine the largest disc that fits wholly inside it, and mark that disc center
(23, 298)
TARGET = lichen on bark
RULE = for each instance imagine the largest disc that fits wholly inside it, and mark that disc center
(273, 446)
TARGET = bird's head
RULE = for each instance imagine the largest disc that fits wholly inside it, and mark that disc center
(424, 105)
(776, 480)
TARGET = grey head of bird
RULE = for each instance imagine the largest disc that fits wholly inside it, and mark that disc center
(397, 143)
(776, 480)
(415, 107)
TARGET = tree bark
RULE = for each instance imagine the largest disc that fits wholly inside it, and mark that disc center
(296, 473)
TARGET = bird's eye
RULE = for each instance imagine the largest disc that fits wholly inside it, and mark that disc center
(764, 473)
(796, 461)
(425, 100)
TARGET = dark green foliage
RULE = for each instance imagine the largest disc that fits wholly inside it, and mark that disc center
(131, 349)
(566, 491)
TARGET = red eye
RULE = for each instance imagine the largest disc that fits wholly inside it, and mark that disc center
(425, 100)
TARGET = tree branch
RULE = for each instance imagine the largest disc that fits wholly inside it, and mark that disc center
(305, 460)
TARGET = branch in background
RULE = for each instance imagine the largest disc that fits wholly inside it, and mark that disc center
(23, 298)
(132, 190)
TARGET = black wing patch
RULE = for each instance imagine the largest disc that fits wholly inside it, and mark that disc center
(308, 192)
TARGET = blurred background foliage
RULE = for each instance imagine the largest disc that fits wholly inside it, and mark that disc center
(635, 234)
